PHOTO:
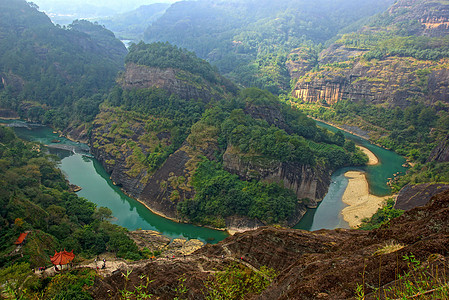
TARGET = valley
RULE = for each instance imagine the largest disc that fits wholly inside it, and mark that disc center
(204, 160)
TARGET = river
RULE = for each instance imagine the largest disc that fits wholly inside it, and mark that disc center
(327, 214)
(88, 173)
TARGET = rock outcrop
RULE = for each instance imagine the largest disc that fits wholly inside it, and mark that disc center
(441, 152)
(393, 81)
(327, 264)
(307, 182)
(178, 82)
(415, 195)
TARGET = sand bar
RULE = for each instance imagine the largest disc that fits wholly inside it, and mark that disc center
(361, 203)
(373, 160)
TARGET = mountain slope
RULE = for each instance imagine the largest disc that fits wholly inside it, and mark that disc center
(328, 264)
(248, 40)
(48, 72)
(174, 131)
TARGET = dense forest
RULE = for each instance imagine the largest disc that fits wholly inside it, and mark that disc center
(51, 74)
(249, 40)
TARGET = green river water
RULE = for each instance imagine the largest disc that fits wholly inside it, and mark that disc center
(88, 173)
(328, 215)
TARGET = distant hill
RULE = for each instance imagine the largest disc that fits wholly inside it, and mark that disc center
(48, 72)
(249, 40)
(131, 25)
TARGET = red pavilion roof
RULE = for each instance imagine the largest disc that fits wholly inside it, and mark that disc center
(21, 238)
(62, 258)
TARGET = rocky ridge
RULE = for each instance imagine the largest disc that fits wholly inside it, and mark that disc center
(182, 83)
(326, 264)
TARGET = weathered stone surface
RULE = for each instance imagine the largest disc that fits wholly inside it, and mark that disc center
(310, 264)
(389, 81)
(441, 151)
(174, 81)
(305, 181)
(158, 192)
(152, 240)
(411, 196)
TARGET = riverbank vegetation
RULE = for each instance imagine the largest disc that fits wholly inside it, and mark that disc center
(35, 198)
(220, 194)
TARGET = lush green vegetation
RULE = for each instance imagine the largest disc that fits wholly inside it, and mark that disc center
(406, 131)
(423, 173)
(35, 198)
(382, 216)
(164, 55)
(250, 41)
(51, 74)
(220, 194)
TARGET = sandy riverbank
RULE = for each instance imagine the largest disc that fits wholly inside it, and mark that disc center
(361, 203)
(373, 160)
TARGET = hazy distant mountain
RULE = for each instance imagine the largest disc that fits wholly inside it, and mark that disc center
(248, 39)
(63, 11)
(131, 25)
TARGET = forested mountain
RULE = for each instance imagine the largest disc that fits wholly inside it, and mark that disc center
(390, 79)
(249, 40)
(35, 199)
(175, 131)
(51, 74)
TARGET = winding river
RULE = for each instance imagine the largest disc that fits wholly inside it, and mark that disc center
(88, 173)
(327, 214)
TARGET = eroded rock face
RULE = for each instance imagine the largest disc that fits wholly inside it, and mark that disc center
(441, 152)
(411, 196)
(181, 83)
(392, 80)
(305, 181)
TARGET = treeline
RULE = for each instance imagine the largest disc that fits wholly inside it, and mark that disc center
(35, 197)
(46, 69)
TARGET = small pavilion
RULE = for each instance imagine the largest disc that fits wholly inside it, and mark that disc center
(62, 258)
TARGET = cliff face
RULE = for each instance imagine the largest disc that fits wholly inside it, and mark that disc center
(328, 264)
(307, 182)
(178, 82)
(393, 80)
(441, 152)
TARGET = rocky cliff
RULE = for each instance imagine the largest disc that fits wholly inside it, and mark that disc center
(307, 182)
(394, 81)
(181, 83)
(441, 152)
(346, 69)
(328, 264)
